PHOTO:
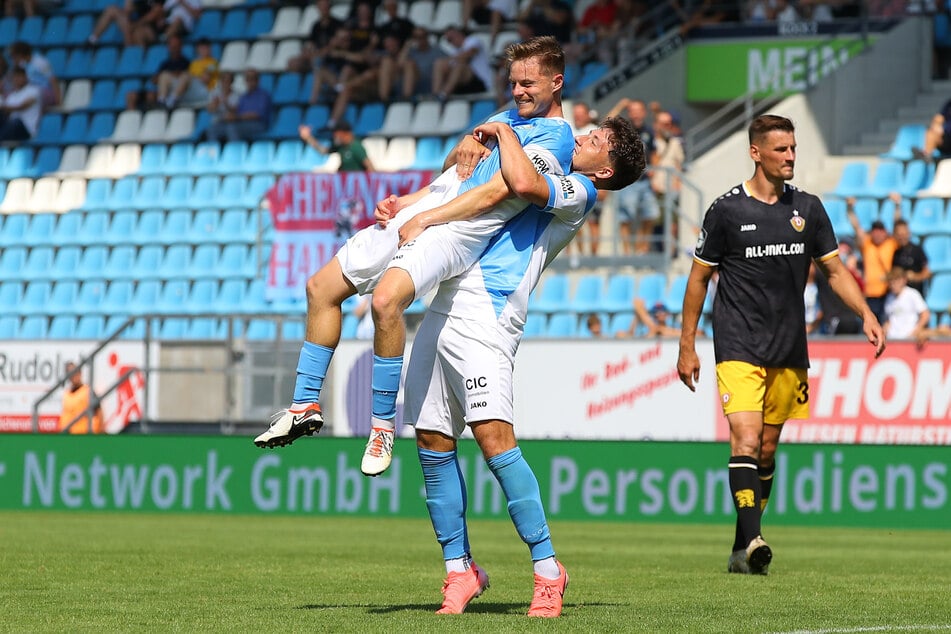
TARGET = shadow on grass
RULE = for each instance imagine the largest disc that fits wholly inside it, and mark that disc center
(482, 607)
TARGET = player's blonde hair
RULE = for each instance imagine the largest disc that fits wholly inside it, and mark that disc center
(550, 56)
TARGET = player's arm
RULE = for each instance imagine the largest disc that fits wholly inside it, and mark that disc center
(845, 286)
(688, 363)
(470, 204)
(465, 156)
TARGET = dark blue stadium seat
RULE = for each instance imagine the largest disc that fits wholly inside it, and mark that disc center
(31, 30)
(100, 127)
(286, 89)
(123, 88)
(208, 25)
(77, 64)
(259, 22)
(103, 95)
(8, 30)
(57, 59)
(286, 123)
(233, 26)
(80, 27)
(154, 56)
(370, 118)
(73, 129)
(202, 121)
(590, 73)
(49, 130)
(47, 160)
(55, 31)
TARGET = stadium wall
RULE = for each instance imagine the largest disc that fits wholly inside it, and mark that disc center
(828, 485)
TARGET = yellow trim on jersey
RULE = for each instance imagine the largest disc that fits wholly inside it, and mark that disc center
(829, 255)
(704, 262)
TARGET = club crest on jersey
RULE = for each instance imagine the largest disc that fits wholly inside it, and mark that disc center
(701, 239)
(798, 222)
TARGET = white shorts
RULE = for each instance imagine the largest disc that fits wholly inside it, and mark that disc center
(437, 254)
(458, 374)
(365, 256)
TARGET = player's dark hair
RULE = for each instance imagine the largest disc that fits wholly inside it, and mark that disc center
(550, 56)
(766, 123)
(627, 154)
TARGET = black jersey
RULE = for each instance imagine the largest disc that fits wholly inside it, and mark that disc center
(763, 253)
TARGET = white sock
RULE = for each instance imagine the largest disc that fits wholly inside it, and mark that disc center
(458, 565)
(379, 423)
(547, 568)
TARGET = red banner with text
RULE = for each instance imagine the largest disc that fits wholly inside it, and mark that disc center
(314, 214)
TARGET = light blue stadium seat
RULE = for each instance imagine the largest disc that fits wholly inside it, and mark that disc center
(9, 327)
(853, 181)
(259, 158)
(619, 295)
(887, 179)
(918, 175)
(118, 298)
(535, 325)
(938, 296)
(145, 297)
(153, 160)
(370, 118)
(148, 261)
(203, 160)
(39, 264)
(588, 294)
(938, 250)
(121, 228)
(204, 226)
(49, 130)
(835, 207)
(261, 330)
(590, 73)
(173, 328)
(92, 264)
(286, 123)
(886, 212)
(91, 327)
(174, 296)
(235, 261)
(674, 299)
(12, 262)
(154, 56)
(562, 325)
(204, 262)
(908, 136)
(14, 230)
(11, 292)
(554, 294)
(34, 327)
(94, 228)
(651, 288)
(205, 328)
(253, 299)
(231, 296)
(232, 191)
(481, 110)
(63, 298)
(866, 210)
(91, 295)
(178, 160)
(18, 164)
(429, 154)
(235, 226)
(287, 156)
(177, 192)
(205, 192)
(175, 262)
(100, 127)
(36, 297)
(131, 330)
(98, 191)
(201, 298)
(927, 216)
(125, 193)
(311, 159)
(121, 262)
(40, 229)
(286, 89)
(621, 322)
(348, 329)
(257, 187)
(232, 159)
(65, 263)
(148, 227)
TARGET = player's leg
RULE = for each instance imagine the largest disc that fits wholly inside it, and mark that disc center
(326, 291)
(496, 438)
(392, 295)
(743, 388)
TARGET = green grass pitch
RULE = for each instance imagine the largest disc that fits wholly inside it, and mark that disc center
(110, 572)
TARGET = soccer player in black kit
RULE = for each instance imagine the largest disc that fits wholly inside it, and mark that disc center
(761, 237)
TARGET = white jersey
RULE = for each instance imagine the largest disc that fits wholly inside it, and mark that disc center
(446, 250)
(475, 322)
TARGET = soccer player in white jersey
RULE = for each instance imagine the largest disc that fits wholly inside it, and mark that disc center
(360, 263)
(461, 366)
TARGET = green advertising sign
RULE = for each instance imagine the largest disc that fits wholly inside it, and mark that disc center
(721, 71)
(831, 485)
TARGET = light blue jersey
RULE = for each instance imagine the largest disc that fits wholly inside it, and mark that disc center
(497, 287)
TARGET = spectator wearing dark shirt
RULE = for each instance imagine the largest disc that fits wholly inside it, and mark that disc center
(138, 21)
(175, 66)
(395, 25)
(910, 257)
(250, 119)
(353, 156)
(316, 45)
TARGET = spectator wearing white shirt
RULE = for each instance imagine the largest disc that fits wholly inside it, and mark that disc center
(468, 70)
(21, 109)
(180, 16)
(39, 72)
(906, 313)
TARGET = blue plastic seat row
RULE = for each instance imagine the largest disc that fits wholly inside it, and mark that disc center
(890, 176)
(131, 192)
(596, 293)
(925, 216)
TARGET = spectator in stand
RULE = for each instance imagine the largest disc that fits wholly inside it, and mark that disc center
(412, 69)
(250, 119)
(12, 7)
(937, 136)
(77, 398)
(468, 70)
(654, 321)
(784, 12)
(369, 83)
(593, 323)
(493, 13)
(193, 87)
(702, 13)
(584, 120)
(668, 162)
(139, 21)
(171, 72)
(906, 313)
(909, 255)
(878, 249)
(395, 25)
(181, 16)
(39, 72)
(6, 80)
(815, 11)
(223, 99)
(595, 33)
(349, 53)
(636, 204)
(550, 17)
(21, 109)
(353, 156)
(941, 331)
(318, 42)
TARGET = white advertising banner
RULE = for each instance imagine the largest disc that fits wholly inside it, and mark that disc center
(29, 368)
(616, 389)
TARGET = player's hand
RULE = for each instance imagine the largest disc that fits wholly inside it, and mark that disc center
(688, 367)
(468, 154)
(875, 333)
(488, 130)
(305, 132)
(411, 230)
(386, 209)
